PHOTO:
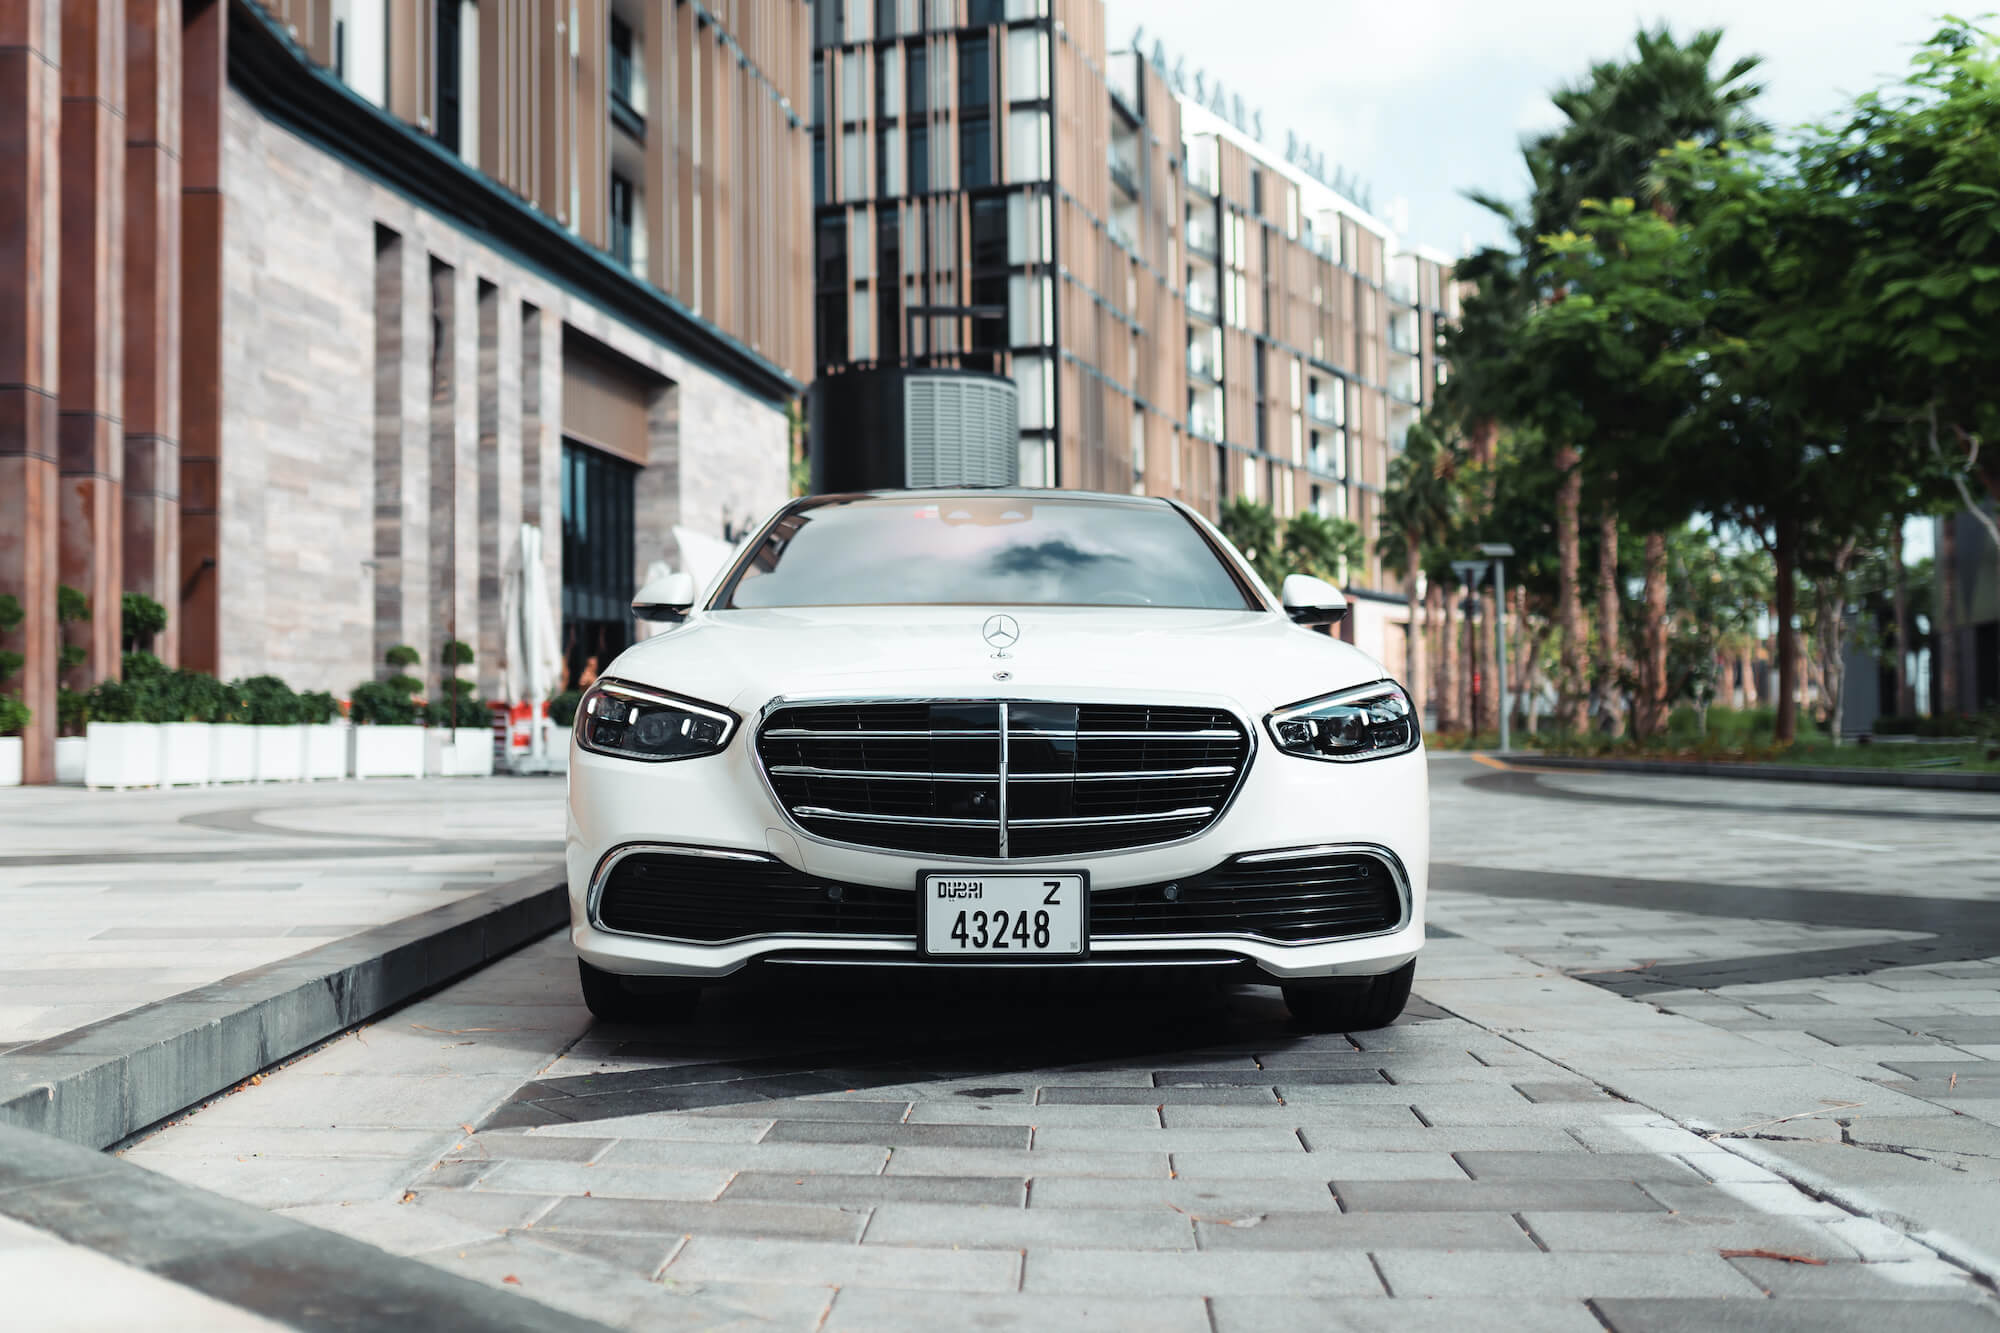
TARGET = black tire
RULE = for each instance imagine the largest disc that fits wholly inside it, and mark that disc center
(609, 998)
(1351, 1005)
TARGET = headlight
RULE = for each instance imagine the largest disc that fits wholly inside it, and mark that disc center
(633, 722)
(1370, 722)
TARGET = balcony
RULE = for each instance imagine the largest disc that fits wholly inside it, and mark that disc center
(1320, 407)
(1204, 363)
(1201, 301)
(1124, 172)
(1204, 424)
(1201, 237)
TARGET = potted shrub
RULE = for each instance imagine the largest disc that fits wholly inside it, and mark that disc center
(125, 743)
(277, 730)
(325, 737)
(461, 720)
(232, 741)
(386, 740)
(14, 715)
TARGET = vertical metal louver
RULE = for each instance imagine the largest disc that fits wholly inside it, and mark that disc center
(961, 432)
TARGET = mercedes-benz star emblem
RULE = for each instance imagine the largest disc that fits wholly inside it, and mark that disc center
(1001, 632)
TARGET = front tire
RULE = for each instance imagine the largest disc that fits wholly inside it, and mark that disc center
(1347, 1005)
(611, 1000)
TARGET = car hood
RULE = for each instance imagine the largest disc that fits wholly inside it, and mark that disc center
(1257, 660)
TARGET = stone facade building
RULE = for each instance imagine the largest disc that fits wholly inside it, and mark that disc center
(306, 306)
(1187, 312)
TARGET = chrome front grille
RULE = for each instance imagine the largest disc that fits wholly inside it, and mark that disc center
(986, 778)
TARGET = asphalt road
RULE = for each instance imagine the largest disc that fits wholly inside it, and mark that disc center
(1684, 1054)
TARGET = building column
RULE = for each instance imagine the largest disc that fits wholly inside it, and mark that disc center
(89, 419)
(30, 209)
(151, 537)
(204, 72)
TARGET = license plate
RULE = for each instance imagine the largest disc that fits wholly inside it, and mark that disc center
(993, 918)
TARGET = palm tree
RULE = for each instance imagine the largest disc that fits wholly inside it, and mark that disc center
(1320, 546)
(1618, 122)
(1417, 511)
(1253, 530)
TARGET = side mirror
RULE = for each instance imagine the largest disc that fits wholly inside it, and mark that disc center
(1311, 601)
(668, 598)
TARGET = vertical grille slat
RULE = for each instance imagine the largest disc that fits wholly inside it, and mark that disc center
(1078, 777)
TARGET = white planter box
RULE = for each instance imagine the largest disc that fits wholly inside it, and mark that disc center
(70, 759)
(10, 761)
(185, 756)
(325, 751)
(232, 755)
(126, 754)
(281, 753)
(468, 754)
(387, 752)
(434, 747)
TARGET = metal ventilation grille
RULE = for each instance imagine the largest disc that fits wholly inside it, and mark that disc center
(986, 779)
(961, 432)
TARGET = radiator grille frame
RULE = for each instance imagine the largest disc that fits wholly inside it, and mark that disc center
(1018, 836)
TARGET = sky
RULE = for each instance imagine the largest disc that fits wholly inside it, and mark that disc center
(1424, 99)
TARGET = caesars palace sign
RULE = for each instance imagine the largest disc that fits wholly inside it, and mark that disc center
(1211, 95)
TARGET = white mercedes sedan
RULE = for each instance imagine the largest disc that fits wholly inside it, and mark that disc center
(996, 728)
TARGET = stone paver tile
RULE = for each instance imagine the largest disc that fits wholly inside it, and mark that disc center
(1108, 1273)
(899, 1136)
(1248, 1138)
(1152, 1096)
(609, 1180)
(1777, 1198)
(1325, 1136)
(1264, 1078)
(1262, 1314)
(399, 1228)
(1318, 1165)
(863, 1191)
(819, 1108)
(1025, 1162)
(286, 1182)
(1224, 1199)
(1537, 1277)
(875, 1310)
(855, 1158)
(1930, 1278)
(493, 1211)
(195, 1138)
(576, 1283)
(660, 1217)
(526, 1148)
(1705, 1316)
(1027, 1113)
(295, 1098)
(973, 1227)
(1575, 1166)
(1683, 1233)
(823, 1263)
(692, 1129)
(1395, 1117)
(1365, 1231)
(1504, 1196)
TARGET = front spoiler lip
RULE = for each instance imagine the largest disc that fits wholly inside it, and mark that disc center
(896, 950)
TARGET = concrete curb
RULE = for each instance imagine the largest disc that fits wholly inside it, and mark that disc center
(1839, 777)
(239, 1254)
(101, 1083)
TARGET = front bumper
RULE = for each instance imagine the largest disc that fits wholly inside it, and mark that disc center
(721, 803)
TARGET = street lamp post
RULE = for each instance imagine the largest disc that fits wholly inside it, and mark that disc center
(1499, 552)
(1471, 573)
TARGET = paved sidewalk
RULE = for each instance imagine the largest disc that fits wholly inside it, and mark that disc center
(118, 899)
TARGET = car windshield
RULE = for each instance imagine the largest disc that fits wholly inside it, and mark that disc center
(928, 550)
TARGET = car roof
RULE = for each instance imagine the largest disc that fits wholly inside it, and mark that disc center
(978, 493)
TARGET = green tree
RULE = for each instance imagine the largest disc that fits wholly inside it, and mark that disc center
(1323, 547)
(1418, 510)
(1253, 530)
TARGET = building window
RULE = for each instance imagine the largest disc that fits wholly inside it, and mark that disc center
(920, 159)
(986, 13)
(889, 82)
(889, 162)
(340, 49)
(975, 152)
(598, 565)
(621, 64)
(621, 220)
(920, 81)
(975, 75)
(448, 74)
